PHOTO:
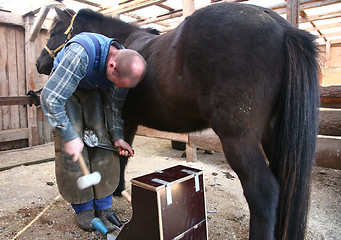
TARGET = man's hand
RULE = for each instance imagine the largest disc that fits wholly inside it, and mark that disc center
(126, 150)
(74, 148)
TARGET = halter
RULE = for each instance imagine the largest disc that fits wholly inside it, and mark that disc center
(68, 32)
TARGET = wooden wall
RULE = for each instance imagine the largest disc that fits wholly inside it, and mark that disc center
(18, 123)
(331, 64)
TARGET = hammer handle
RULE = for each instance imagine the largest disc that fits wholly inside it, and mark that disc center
(82, 165)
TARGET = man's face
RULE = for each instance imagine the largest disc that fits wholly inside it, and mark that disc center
(119, 82)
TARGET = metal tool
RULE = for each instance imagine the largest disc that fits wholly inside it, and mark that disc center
(90, 138)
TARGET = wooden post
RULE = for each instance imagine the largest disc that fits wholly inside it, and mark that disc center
(30, 68)
(191, 153)
(293, 10)
(187, 7)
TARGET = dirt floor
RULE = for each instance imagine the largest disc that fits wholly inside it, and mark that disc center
(31, 209)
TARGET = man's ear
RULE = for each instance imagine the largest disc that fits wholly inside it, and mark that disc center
(112, 64)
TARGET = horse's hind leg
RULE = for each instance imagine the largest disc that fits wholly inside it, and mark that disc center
(246, 157)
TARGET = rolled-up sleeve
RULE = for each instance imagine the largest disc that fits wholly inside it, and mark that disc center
(60, 86)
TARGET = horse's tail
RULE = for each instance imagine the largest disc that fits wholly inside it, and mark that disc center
(296, 137)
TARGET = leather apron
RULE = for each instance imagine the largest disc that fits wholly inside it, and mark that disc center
(87, 109)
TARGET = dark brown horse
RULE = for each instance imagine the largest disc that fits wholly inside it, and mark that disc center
(246, 73)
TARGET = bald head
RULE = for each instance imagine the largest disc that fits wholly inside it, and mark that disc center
(125, 67)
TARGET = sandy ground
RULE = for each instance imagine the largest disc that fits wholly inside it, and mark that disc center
(31, 191)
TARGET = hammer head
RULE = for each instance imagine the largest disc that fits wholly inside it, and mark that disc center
(88, 180)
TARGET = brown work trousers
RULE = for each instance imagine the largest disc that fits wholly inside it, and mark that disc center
(85, 109)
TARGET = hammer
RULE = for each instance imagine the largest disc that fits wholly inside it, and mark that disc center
(87, 179)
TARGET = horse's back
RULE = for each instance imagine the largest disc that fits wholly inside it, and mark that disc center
(232, 57)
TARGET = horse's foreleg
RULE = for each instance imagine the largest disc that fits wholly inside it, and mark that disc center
(261, 190)
(129, 131)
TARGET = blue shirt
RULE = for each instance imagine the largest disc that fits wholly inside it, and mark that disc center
(61, 85)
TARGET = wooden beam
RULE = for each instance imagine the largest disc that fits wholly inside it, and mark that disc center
(18, 100)
(177, 13)
(187, 7)
(13, 134)
(148, 132)
(91, 3)
(293, 10)
(131, 6)
(326, 16)
(330, 122)
(328, 152)
(305, 4)
(323, 27)
(10, 18)
(33, 138)
(18, 157)
(330, 96)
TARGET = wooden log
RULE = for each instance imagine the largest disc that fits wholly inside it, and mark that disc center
(330, 96)
(328, 152)
(330, 122)
(331, 91)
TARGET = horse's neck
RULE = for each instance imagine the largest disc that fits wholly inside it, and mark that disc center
(138, 39)
(113, 29)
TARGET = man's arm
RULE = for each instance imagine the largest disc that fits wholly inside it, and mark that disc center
(116, 100)
(60, 86)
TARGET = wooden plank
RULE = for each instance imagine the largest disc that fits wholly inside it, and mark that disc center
(328, 149)
(17, 100)
(3, 77)
(89, 3)
(322, 27)
(187, 7)
(331, 76)
(293, 9)
(20, 46)
(131, 6)
(305, 4)
(330, 96)
(330, 102)
(174, 14)
(10, 18)
(12, 75)
(13, 134)
(5, 110)
(30, 74)
(148, 132)
(26, 156)
(328, 152)
(330, 122)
